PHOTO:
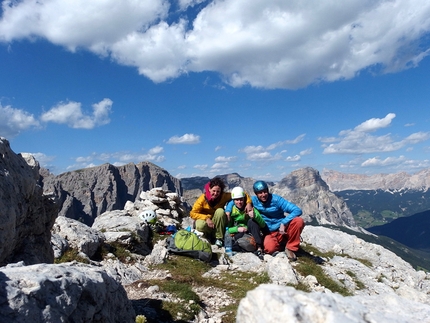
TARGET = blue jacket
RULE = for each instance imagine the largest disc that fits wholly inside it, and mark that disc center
(273, 211)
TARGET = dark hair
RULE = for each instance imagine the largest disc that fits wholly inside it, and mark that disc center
(216, 181)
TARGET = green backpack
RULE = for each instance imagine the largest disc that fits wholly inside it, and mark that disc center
(189, 244)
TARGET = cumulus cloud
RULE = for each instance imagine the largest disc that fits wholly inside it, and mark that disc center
(71, 113)
(360, 141)
(376, 161)
(188, 138)
(264, 44)
(225, 159)
(261, 153)
(293, 158)
(13, 121)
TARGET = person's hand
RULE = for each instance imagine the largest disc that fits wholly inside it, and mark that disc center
(282, 229)
(210, 223)
(242, 229)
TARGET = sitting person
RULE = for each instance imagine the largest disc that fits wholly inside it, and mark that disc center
(242, 222)
(285, 230)
(208, 211)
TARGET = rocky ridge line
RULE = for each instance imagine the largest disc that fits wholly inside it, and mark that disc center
(338, 181)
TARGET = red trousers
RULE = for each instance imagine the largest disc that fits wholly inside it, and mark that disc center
(274, 241)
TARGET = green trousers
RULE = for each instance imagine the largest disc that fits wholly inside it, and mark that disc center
(220, 221)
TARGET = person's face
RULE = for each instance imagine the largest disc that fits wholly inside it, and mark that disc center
(215, 191)
(263, 195)
(240, 203)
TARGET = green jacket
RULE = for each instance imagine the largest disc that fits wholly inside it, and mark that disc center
(240, 219)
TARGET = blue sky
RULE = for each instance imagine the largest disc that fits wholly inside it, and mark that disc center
(202, 88)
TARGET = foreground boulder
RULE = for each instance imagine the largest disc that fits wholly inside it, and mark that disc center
(272, 303)
(62, 293)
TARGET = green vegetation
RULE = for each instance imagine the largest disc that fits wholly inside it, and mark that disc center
(71, 255)
(186, 273)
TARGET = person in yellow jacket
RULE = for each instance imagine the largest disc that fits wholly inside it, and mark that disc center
(208, 211)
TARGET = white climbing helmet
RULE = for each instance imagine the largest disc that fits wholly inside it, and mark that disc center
(237, 193)
(148, 216)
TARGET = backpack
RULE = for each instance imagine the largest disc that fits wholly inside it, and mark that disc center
(189, 244)
(246, 243)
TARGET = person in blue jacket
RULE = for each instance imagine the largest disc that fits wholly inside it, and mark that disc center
(282, 218)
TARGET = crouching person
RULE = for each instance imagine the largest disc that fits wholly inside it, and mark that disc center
(246, 226)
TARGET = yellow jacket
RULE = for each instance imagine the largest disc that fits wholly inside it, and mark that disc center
(202, 210)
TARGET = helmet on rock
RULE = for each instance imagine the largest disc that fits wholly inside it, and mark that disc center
(237, 193)
(260, 186)
(148, 216)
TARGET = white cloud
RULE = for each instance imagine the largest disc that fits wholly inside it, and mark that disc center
(70, 113)
(13, 121)
(306, 152)
(188, 138)
(375, 123)
(260, 153)
(296, 140)
(78, 23)
(265, 44)
(156, 150)
(376, 161)
(293, 158)
(359, 141)
(43, 159)
(225, 159)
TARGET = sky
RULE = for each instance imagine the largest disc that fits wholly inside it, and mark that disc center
(203, 88)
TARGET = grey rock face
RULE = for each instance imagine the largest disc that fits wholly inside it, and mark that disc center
(306, 189)
(77, 235)
(85, 194)
(62, 293)
(401, 181)
(26, 215)
(272, 303)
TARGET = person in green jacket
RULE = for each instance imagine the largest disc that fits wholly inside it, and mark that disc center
(242, 222)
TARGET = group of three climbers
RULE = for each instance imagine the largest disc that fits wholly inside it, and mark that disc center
(273, 222)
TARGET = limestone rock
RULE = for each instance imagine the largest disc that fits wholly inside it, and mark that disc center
(272, 303)
(129, 231)
(62, 293)
(306, 189)
(78, 235)
(85, 194)
(338, 181)
(26, 214)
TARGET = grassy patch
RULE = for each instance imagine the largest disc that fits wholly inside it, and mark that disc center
(71, 255)
(187, 272)
(308, 267)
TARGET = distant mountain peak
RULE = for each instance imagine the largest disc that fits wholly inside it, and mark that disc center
(338, 181)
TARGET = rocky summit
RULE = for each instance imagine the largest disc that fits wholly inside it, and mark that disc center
(117, 272)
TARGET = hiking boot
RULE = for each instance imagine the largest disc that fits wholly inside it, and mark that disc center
(219, 243)
(290, 255)
(259, 254)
